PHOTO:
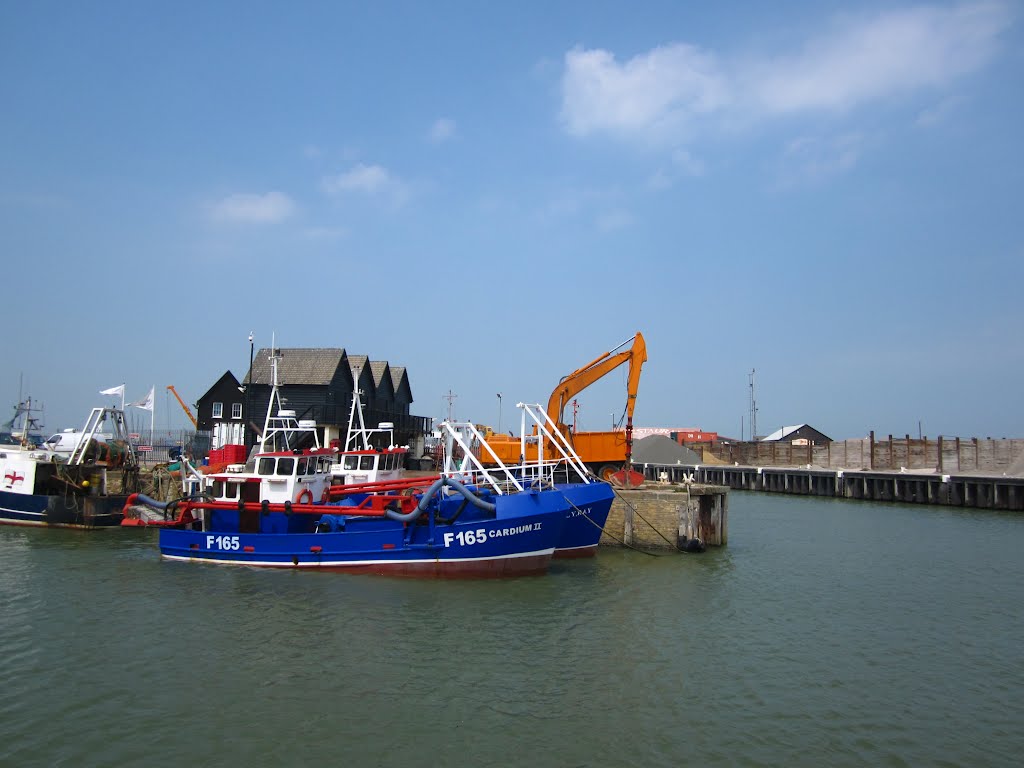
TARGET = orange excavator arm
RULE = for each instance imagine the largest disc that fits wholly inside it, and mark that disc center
(597, 368)
(188, 411)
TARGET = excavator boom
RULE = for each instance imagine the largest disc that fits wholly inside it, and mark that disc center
(602, 452)
(581, 378)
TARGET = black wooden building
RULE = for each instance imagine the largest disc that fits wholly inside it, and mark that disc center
(317, 384)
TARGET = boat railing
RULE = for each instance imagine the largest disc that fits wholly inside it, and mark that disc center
(466, 449)
(547, 428)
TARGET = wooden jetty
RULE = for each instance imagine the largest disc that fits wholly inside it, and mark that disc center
(910, 487)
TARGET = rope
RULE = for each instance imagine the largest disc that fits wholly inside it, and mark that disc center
(636, 512)
(605, 532)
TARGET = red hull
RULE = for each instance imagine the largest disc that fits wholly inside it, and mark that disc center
(534, 565)
(577, 553)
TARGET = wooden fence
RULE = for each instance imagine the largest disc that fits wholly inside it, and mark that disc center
(944, 454)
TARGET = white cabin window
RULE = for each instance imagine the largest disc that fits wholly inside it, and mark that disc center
(236, 410)
(285, 467)
(218, 410)
(366, 463)
(351, 462)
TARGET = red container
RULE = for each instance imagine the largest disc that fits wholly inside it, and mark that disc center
(234, 454)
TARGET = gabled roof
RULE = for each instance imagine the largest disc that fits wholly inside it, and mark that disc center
(378, 368)
(781, 434)
(382, 379)
(227, 377)
(398, 378)
(358, 362)
(297, 365)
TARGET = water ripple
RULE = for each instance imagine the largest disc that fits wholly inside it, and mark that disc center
(827, 632)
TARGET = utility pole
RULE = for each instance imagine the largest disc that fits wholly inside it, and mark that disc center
(248, 398)
(753, 408)
(450, 397)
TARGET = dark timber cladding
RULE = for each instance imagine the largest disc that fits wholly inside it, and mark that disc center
(976, 491)
(318, 384)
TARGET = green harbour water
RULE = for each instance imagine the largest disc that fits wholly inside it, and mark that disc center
(827, 632)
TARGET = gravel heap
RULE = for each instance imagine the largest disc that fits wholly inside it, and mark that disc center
(659, 449)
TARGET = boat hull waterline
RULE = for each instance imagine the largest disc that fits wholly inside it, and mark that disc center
(523, 545)
(62, 511)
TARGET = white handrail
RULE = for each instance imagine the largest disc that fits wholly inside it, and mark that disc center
(464, 437)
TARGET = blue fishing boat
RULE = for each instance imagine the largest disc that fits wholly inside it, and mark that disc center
(448, 529)
(286, 509)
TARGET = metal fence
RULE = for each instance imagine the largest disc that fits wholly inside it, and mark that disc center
(162, 446)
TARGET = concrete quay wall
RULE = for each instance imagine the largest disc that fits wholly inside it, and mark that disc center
(976, 491)
(666, 517)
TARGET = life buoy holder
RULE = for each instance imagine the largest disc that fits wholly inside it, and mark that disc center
(304, 497)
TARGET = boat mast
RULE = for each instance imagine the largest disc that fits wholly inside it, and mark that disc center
(357, 408)
(275, 397)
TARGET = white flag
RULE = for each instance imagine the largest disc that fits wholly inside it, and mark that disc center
(113, 391)
(146, 403)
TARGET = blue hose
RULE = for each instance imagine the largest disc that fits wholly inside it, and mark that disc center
(431, 492)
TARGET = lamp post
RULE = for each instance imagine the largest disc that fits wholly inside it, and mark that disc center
(248, 397)
(499, 413)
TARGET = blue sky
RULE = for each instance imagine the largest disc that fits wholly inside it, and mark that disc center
(492, 195)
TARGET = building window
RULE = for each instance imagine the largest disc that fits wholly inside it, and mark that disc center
(218, 410)
(236, 410)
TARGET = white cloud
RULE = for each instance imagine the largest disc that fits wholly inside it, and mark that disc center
(937, 113)
(811, 158)
(373, 180)
(864, 60)
(683, 164)
(266, 208)
(654, 92)
(659, 94)
(442, 130)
